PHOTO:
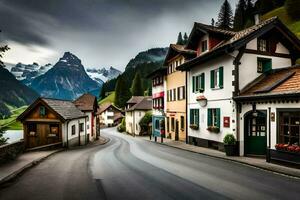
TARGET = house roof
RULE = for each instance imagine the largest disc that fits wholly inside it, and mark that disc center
(144, 104)
(105, 106)
(175, 49)
(239, 39)
(159, 71)
(135, 99)
(66, 110)
(118, 116)
(86, 102)
(282, 82)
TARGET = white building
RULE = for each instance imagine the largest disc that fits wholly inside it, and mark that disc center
(136, 109)
(227, 66)
(109, 115)
(88, 104)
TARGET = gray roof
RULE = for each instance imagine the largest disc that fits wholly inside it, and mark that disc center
(66, 109)
(135, 99)
(144, 104)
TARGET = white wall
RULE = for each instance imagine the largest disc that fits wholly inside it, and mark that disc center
(129, 122)
(105, 115)
(67, 128)
(217, 98)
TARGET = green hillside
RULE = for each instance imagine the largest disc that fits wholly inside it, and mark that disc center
(283, 16)
(109, 99)
(11, 123)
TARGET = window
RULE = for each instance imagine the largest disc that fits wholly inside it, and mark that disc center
(172, 124)
(194, 116)
(204, 46)
(216, 78)
(87, 118)
(54, 129)
(140, 113)
(264, 65)
(213, 117)
(157, 124)
(171, 95)
(81, 127)
(181, 93)
(32, 129)
(182, 122)
(42, 111)
(73, 130)
(157, 81)
(174, 94)
(168, 123)
(198, 83)
(262, 45)
(289, 127)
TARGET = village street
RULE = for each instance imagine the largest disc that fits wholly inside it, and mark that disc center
(133, 168)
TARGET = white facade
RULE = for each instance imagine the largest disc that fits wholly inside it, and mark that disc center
(72, 138)
(107, 117)
(132, 121)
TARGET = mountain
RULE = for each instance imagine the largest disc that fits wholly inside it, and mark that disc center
(26, 73)
(13, 93)
(67, 79)
(144, 62)
(151, 55)
(103, 75)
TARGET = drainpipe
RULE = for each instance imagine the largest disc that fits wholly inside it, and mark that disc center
(186, 108)
(67, 134)
(85, 131)
(269, 132)
(78, 133)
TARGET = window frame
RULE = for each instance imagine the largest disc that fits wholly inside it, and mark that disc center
(73, 130)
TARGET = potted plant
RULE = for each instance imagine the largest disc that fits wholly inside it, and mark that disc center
(213, 129)
(194, 126)
(229, 144)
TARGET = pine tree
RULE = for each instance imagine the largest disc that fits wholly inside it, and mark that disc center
(293, 8)
(3, 140)
(149, 91)
(137, 86)
(240, 16)
(278, 3)
(122, 93)
(249, 12)
(102, 93)
(185, 38)
(212, 21)
(264, 6)
(225, 18)
(179, 39)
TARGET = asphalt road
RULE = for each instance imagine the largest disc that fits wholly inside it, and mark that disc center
(132, 168)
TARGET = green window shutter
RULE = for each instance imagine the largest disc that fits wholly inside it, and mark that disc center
(218, 111)
(267, 65)
(197, 84)
(193, 84)
(212, 79)
(203, 81)
(221, 77)
(209, 117)
(197, 116)
(191, 116)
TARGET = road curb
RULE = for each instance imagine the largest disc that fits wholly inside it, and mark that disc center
(289, 174)
(8, 180)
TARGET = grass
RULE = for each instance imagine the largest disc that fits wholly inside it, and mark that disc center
(11, 123)
(281, 13)
(109, 99)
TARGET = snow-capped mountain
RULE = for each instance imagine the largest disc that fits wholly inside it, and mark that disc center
(67, 79)
(26, 73)
(103, 74)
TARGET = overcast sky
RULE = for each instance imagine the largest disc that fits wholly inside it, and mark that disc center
(100, 32)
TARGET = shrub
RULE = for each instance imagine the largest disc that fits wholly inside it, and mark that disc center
(229, 139)
(293, 8)
(145, 121)
(3, 140)
(122, 127)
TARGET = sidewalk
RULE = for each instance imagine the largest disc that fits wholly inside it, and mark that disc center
(11, 170)
(251, 161)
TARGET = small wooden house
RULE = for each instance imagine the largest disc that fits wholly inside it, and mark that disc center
(53, 122)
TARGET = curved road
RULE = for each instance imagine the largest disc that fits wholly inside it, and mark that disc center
(132, 168)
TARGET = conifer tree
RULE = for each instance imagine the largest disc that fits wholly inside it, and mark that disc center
(240, 16)
(249, 12)
(264, 6)
(185, 38)
(122, 93)
(137, 86)
(179, 39)
(2, 138)
(212, 21)
(225, 18)
(293, 8)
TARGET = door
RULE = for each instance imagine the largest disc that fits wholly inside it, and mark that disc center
(177, 131)
(256, 133)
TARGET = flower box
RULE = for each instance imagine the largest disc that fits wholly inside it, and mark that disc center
(194, 126)
(213, 129)
(283, 156)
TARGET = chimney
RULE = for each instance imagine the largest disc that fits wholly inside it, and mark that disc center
(256, 19)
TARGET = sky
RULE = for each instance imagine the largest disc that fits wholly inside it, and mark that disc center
(101, 33)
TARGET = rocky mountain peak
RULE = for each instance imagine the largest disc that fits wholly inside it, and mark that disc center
(70, 59)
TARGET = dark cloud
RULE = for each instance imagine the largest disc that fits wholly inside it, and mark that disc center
(105, 26)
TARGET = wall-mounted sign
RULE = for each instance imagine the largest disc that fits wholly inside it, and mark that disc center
(272, 116)
(226, 122)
